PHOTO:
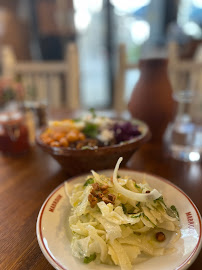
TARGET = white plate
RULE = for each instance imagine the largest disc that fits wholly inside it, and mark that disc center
(54, 236)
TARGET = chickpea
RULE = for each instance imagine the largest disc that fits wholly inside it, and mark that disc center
(54, 144)
(50, 135)
(72, 136)
(48, 140)
(44, 136)
(63, 142)
(160, 236)
(57, 136)
(81, 136)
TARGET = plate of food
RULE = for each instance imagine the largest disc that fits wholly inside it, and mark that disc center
(119, 219)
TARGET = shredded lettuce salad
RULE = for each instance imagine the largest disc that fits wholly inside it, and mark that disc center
(116, 220)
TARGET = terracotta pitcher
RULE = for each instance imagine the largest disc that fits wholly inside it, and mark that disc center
(151, 100)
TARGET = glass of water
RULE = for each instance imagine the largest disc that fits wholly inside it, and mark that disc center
(184, 135)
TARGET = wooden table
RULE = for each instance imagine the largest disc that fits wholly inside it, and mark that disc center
(26, 181)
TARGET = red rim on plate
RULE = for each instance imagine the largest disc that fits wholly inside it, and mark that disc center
(54, 262)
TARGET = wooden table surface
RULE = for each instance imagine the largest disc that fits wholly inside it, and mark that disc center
(26, 181)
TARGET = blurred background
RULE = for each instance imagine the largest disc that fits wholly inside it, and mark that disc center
(40, 30)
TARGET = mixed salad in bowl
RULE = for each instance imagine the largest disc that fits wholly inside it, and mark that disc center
(89, 132)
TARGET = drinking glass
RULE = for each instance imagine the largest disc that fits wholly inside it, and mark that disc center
(14, 136)
(184, 135)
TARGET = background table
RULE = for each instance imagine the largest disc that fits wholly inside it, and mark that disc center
(26, 181)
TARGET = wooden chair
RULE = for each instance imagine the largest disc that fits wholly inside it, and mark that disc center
(54, 81)
(184, 74)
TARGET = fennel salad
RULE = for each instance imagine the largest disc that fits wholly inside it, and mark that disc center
(118, 221)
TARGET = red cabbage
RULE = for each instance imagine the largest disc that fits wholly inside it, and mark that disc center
(124, 131)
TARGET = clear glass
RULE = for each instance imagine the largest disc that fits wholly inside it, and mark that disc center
(184, 135)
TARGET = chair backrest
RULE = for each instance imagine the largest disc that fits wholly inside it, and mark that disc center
(119, 103)
(54, 81)
(184, 74)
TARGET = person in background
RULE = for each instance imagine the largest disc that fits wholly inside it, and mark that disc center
(14, 32)
(55, 19)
